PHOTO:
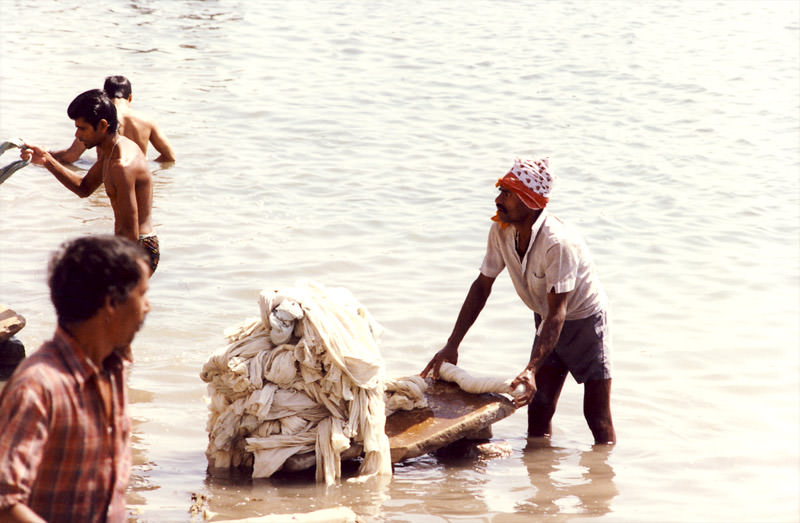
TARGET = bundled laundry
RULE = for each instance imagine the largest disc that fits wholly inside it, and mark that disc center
(306, 375)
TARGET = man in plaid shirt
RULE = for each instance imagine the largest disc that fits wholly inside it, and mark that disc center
(64, 444)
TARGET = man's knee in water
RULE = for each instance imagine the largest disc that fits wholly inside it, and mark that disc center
(542, 398)
(549, 381)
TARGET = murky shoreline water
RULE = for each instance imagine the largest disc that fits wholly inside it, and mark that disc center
(357, 145)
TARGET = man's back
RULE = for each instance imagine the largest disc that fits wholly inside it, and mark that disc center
(142, 130)
(135, 128)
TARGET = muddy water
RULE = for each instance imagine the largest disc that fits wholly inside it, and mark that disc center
(357, 145)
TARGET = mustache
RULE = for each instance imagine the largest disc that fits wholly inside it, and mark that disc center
(500, 207)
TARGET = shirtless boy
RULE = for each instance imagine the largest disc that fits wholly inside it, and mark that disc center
(133, 125)
(121, 168)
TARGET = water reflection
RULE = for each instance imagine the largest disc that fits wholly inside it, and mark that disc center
(442, 486)
(234, 494)
(563, 488)
(141, 464)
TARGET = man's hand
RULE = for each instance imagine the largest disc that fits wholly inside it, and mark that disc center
(36, 155)
(528, 381)
(449, 354)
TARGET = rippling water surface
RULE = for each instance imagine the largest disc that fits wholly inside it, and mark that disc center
(357, 144)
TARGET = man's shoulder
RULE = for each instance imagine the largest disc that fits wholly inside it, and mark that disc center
(497, 230)
(140, 120)
(40, 371)
(131, 155)
(127, 144)
(556, 230)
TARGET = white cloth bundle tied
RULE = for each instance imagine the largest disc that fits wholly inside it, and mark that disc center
(305, 376)
(405, 393)
(476, 384)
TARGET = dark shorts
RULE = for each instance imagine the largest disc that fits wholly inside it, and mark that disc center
(150, 244)
(583, 348)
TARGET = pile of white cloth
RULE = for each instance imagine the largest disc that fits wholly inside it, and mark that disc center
(304, 376)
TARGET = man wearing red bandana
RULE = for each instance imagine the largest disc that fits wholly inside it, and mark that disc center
(553, 273)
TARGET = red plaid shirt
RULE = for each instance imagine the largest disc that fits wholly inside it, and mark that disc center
(59, 454)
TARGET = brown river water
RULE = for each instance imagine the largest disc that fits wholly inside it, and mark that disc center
(357, 144)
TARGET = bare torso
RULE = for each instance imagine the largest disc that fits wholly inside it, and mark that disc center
(129, 186)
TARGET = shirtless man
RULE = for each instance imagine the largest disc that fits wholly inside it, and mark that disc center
(121, 168)
(132, 125)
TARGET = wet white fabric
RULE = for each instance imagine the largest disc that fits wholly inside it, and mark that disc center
(7, 170)
(475, 384)
(405, 393)
(306, 375)
(11, 144)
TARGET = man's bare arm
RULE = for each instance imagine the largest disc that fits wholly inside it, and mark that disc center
(70, 154)
(159, 141)
(476, 298)
(83, 186)
(543, 345)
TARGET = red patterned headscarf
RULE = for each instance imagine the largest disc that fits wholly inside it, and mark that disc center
(530, 180)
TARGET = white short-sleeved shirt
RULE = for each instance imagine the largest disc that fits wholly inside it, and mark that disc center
(557, 260)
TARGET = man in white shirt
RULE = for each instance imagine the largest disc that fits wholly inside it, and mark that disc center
(552, 272)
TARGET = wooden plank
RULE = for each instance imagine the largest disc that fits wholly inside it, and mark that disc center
(10, 322)
(451, 415)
